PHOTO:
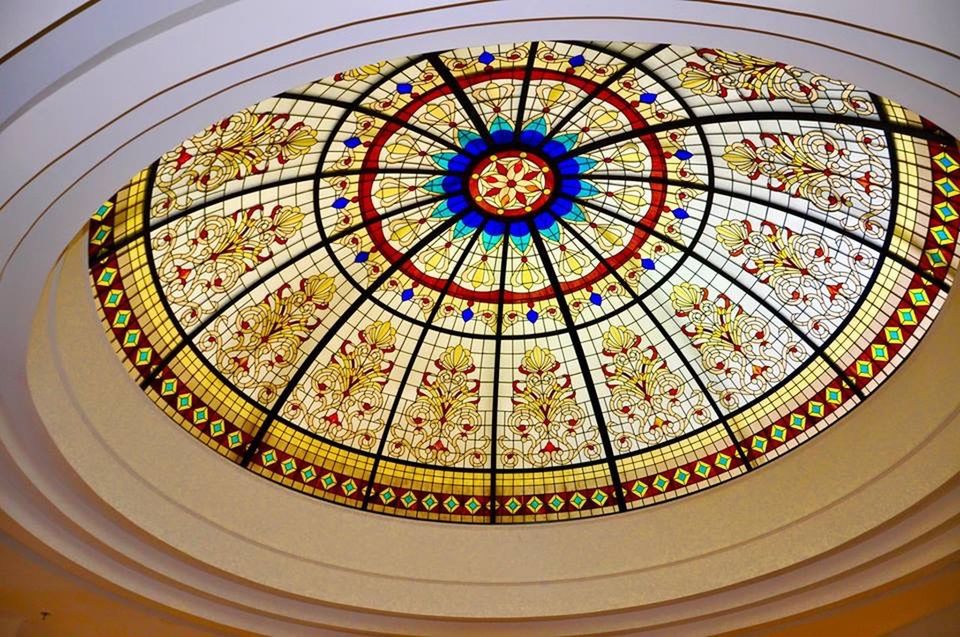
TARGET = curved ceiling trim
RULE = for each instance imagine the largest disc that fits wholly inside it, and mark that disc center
(20, 287)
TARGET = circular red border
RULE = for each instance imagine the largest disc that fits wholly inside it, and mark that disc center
(371, 166)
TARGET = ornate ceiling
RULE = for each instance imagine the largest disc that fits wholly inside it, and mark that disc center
(529, 282)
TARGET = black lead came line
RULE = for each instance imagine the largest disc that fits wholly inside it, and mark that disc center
(468, 107)
(346, 106)
(663, 332)
(632, 64)
(244, 292)
(115, 247)
(302, 369)
(584, 367)
(698, 123)
(391, 416)
(880, 250)
(390, 119)
(817, 350)
(752, 116)
(495, 399)
(525, 89)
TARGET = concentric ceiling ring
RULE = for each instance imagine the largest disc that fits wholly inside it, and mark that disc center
(539, 281)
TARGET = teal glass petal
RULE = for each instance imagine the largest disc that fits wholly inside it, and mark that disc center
(435, 185)
(489, 241)
(442, 210)
(500, 124)
(442, 160)
(587, 189)
(569, 140)
(585, 163)
(538, 125)
(465, 136)
(551, 232)
(576, 214)
(461, 230)
(521, 243)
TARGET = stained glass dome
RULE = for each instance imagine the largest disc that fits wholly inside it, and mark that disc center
(529, 282)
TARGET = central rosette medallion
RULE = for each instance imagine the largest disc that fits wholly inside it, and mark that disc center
(511, 183)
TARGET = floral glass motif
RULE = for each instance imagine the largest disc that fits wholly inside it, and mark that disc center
(530, 282)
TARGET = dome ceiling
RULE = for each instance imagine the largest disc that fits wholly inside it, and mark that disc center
(529, 282)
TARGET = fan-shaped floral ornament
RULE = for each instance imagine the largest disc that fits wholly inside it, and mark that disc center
(533, 281)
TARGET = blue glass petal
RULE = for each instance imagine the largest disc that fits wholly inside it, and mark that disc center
(531, 137)
(532, 316)
(577, 60)
(596, 299)
(683, 154)
(648, 264)
(648, 98)
(680, 213)
(467, 314)
(457, 203)
(459, 163)
(452, 185)
(351, 142)
(502, 136)
(407, 294)
(496, 228)
(362, 257)
(519, 229)
(404, 87)
(476, 147)
(570, 187)
(578, 188)
(340, 202)
(473, 219)
(576, 165)
(561, 207)
(486, 57)
(543, 220)
(553, 148)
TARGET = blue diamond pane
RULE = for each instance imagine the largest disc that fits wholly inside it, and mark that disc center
(361, 257)
(352, 142)
(683, 154)
(648, 264)
(532, 316)
(648, 98)
(340, 202)
(407, 294)
(596, 299)
(577, 60)
(404, 87)
(486, 57)
(680, 213)
(467, 314)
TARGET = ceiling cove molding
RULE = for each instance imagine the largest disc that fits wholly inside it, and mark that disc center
(881, 502)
